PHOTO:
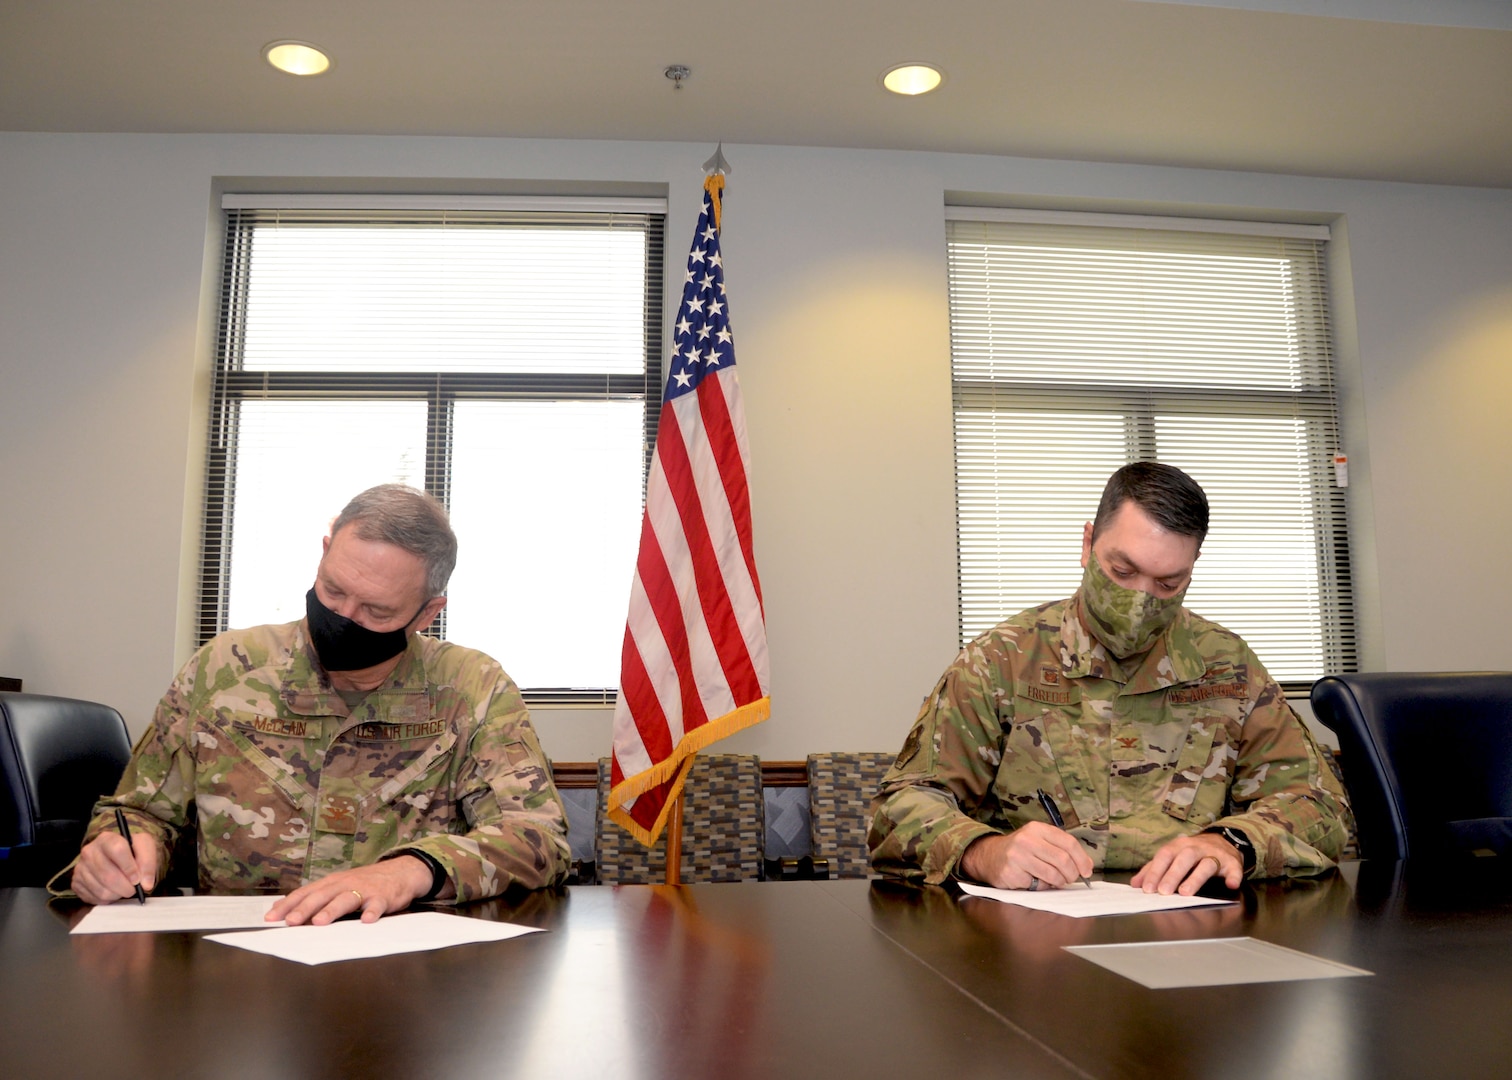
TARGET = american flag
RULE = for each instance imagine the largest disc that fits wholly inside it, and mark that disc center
(694, 666)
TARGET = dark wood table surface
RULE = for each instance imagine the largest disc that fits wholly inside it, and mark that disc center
(823, 979)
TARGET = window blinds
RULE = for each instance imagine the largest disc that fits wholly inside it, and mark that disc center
(1078, 347)
(502, 353)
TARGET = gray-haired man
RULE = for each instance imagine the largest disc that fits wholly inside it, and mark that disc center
(343, 759)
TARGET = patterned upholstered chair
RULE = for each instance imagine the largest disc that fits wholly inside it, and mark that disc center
(724, 822)
(840, 790)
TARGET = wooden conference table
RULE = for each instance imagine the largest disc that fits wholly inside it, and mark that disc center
(793, 979)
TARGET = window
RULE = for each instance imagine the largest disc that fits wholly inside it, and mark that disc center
(1082, 342)
(503, 354)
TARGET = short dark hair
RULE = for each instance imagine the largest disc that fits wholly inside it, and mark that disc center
(409, 519)
(1167, 494)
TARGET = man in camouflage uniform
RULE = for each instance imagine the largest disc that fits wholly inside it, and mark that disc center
(342, 759)
(1157, 736)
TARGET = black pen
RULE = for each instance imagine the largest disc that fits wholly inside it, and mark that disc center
(1048, 804)
(141, 897)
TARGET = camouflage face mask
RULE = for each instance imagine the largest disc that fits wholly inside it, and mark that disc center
(1126, 621)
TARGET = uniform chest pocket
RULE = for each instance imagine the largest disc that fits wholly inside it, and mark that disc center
(1040, 752)
(398, 778)
(282, 751)
(1198, 789)
(384, 760)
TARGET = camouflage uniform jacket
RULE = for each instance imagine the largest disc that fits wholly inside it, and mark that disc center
(1192, 734)
(289, 786)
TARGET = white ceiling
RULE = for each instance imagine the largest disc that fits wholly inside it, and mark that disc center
(1212, 85)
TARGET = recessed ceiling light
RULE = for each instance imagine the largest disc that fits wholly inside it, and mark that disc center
(912, 78)
(296, 57)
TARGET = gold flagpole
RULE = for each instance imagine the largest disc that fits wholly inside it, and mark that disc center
(674, 842)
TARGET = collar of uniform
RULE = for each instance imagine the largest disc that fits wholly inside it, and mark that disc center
(1082, 655)
(307, 689)
(1173, 659)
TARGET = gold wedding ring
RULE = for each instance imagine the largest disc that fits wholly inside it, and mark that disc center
(358, 895)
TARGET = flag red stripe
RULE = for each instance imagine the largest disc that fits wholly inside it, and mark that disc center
(648, 805)
(726, 450)
(650, 721)
(661, 591)
(713, 597)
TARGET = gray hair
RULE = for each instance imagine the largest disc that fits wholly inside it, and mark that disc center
(410, 519)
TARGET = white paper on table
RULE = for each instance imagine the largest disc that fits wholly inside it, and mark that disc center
(354, 940)
(1103, 898)
(167, 914)
(1165, 965)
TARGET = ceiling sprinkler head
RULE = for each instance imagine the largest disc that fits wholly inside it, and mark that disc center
(677, 73)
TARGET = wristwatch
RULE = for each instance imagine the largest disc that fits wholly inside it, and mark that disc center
(1239, 840)
(438, 872)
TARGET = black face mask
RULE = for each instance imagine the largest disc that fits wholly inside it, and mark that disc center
(343, 645)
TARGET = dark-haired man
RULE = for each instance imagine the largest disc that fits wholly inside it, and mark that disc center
(1163, 744)
(342, 759)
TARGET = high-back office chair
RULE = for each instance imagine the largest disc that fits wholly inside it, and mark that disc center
(57, 756)
(724, 827)
(841, 787)
(1427, 758)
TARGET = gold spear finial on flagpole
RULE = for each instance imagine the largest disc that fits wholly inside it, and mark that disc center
(717, 169)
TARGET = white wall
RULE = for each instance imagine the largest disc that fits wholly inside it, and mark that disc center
(836, 272)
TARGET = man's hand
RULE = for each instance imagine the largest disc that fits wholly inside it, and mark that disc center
(1034, 852)
(1186, 863)
(108, 869)
(378, 890)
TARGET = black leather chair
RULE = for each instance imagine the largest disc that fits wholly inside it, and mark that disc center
(57, 756)
(1427, 758)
